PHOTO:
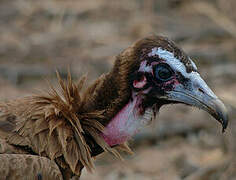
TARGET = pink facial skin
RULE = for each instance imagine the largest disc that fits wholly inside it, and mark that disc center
(126, 123)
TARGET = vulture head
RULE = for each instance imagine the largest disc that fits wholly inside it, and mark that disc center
(151, 73)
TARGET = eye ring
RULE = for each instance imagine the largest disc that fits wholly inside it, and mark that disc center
(163, 72)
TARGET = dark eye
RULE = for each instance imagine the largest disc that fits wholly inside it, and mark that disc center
(163, 72)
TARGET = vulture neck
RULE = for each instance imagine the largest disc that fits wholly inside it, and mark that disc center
(107, 94)
(129, 120)
(124, 114)
(111, 92)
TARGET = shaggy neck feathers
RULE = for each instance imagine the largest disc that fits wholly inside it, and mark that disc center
(111, 92)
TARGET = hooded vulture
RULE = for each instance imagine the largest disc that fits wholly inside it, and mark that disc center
(57, 134)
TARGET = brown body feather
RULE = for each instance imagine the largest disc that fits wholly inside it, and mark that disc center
(54, 126)
(28, 167)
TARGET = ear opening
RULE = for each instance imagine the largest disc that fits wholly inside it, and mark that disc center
(141, 82)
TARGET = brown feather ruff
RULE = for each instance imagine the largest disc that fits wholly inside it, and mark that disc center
(54, 126)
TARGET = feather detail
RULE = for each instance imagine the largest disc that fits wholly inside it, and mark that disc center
(54, 125)
(22, 166)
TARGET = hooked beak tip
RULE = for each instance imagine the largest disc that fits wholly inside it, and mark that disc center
(221, 114)
(224, 123)
(217, 109)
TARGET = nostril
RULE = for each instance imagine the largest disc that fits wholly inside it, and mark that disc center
(201, 90)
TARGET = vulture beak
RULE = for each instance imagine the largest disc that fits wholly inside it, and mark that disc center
(195, 92)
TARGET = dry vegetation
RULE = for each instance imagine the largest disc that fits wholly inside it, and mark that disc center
(38, 37)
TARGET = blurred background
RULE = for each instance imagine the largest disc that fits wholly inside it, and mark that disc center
(38, 37)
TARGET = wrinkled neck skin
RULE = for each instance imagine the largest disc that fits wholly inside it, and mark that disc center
(129, 120)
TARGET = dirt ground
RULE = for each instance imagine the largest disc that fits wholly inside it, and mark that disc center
(38, 37)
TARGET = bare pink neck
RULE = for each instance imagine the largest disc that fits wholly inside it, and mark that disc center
(127, 122)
